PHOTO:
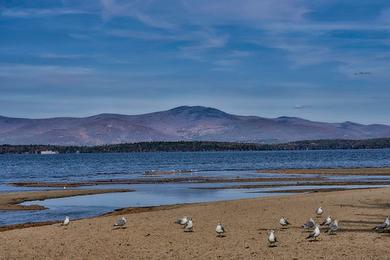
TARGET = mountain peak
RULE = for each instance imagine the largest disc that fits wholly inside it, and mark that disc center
(181, 123)
(198, 110)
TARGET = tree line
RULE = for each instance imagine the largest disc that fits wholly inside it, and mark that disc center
(185, 146)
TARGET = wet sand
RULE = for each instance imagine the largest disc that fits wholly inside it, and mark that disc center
(152, 234)
(11, 200)
(161, 173)
(332, 171)
(157, 181)
(298, 184)
(204, 179)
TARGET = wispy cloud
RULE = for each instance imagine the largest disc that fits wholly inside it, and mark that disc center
(206, 43)
(301, 107)
(133, 9)
(246, 11)
(50, 55)
(37, 12)
(41, 71)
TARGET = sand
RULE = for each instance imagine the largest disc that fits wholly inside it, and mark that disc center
(321, 173)
(333, 171)
(152, 234)
(196, 179)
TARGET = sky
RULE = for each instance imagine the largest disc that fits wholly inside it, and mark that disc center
(323, 60)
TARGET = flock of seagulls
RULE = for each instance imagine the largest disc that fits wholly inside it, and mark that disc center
(331, 225)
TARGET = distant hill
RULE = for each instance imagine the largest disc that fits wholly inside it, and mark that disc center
(183, 123)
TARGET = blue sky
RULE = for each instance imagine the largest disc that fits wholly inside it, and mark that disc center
(324, 60)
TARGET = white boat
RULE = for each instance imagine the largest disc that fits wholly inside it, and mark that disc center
(49, 152)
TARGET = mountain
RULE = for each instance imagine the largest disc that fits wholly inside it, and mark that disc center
(182, 123)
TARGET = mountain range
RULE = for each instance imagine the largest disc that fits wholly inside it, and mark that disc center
(185, 123)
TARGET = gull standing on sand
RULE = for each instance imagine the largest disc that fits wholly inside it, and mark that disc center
(272, 238)
(189, 226)
(66, 221)
(182, 221)
(120, 222)
(327, 221)
(220, 229)
(383, 226)
(316, 233)
(333, 227)
(319, 211)
(284, 222)
(309, 224)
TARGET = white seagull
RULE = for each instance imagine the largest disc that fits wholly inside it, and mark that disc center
(66, 221)
(182, 221)
(319, 211)
(383, 226)
(315, 233)
(189, 226)
(284, 222)
(327, 221)
(333, 227)
(272, 239)
(309, 224)
(120, 222)
(220, 229)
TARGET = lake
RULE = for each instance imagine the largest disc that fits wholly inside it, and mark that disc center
(82, 167)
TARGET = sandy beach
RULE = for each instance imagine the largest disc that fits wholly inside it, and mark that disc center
(152, 234)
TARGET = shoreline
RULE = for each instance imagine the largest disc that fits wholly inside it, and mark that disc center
(137, 210)
(151, 233)
(12, 200)
(385, 171)
(299, 184)
(321, 172)
(195, 180)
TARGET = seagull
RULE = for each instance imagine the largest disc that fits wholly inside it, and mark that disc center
(66, 221)
(182, 221)
(272, 239)
(327, 221)
(315, 233)
(120, 222)
(383, 226)
(220, 229)
(309, 224)
(333, 227)
(284, 222)
(189, 226)
(319, 211)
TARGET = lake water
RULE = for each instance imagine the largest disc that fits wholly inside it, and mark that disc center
(81, 167)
